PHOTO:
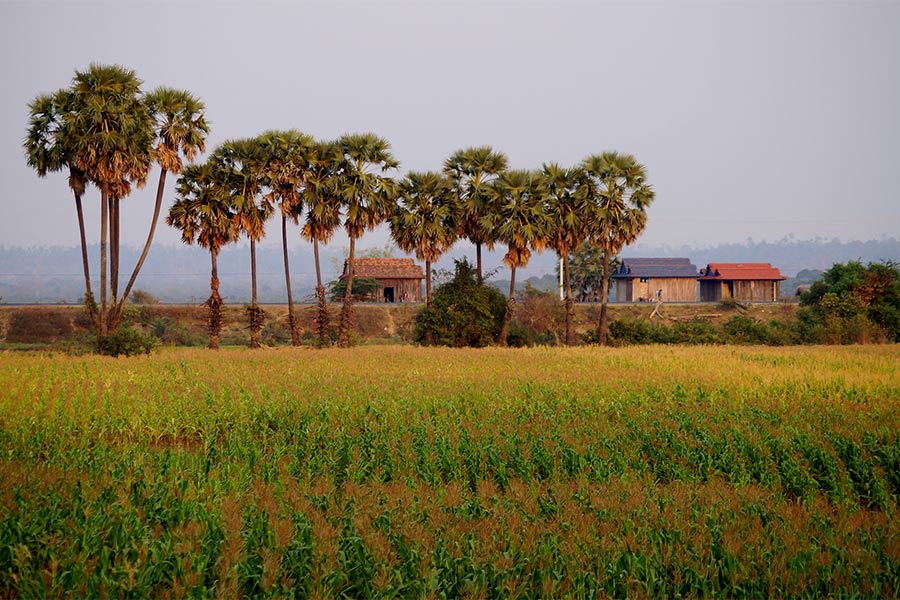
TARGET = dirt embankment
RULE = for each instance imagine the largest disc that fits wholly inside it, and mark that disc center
(186, 324)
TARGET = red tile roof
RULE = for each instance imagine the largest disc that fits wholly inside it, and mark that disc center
(740, 271)
(386, 268)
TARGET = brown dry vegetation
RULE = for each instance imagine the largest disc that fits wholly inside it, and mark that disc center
(396, 472)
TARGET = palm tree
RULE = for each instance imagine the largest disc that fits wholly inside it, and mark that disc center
(285, 167)
(519, 221)
(47, 150)
(109, 133)
(425, 219)
(181, 130)
(204, 215)
(569, 216)
(239, 162)
(472, 171)
(368, 198)
(323, 217)
(619, 191)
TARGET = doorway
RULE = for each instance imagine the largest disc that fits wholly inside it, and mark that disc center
(388, 294)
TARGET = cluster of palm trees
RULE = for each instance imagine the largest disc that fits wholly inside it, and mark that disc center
(321, 186)
(104, 131)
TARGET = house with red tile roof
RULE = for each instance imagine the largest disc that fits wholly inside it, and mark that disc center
(399, 279)
(745, 282)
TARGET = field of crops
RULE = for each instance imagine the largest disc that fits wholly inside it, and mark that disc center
(412, 472)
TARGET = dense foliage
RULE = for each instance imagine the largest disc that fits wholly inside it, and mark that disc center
(394, 472)
(853, 303)
(463, 313)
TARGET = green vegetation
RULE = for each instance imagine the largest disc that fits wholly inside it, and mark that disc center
(463, 313)
(853, 304)
(400, 472)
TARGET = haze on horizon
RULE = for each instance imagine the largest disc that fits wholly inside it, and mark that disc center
(754, 119)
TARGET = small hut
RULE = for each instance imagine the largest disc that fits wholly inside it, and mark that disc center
(399, 279)
(644, 279)
(745, 282)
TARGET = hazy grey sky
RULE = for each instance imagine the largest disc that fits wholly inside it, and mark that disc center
(754, 119)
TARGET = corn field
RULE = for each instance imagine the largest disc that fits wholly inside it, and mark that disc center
(399, 472)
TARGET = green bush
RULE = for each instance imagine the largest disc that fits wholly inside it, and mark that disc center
(462, 312)
(519, 336)
(127, 341)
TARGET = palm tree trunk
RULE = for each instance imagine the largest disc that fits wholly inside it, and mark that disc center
(254, 312)
(347, 308)
(570, 303)
(510, 307)
(214, 304)
(604, 300)
(292, 320)
(429, 337)
(88, 293)
(478, 262)
(427, 284)
(140, 262)
(322, 317)
(104, 234)
(113, 255)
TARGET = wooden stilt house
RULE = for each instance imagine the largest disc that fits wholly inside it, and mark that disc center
(399, 279)
(645, 279)
(745, 282)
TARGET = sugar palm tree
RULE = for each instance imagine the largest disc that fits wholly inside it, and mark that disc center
(569, 214)
(109, 132)
(520, 221)
(426, 218)
(472, 171)
(181, 131)
(239, 162)
(619, 191)
(286, 159)
(47, 151)
(368, 199)
(323, 217)
(205, 216)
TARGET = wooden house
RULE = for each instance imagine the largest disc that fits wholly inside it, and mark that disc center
(745, 282)
(645, 279)
(399, 279)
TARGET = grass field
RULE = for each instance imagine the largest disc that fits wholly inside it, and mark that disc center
(398, 471)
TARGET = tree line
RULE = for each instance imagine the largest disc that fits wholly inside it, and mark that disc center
(105, 131)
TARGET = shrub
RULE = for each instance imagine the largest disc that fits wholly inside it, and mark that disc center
(127, 341)
(462, 313)
(38, 325)
(747, 330)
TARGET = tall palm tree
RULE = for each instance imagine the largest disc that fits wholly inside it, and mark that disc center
(285, 168)
(425, 220)
(240, 164)
(368, 199)
(619, 191)
(472, 171)
(47, 149)
(569, 215)
(205, 216)
(110, 139)
(520, 221)
(181, 131)
(323, 217)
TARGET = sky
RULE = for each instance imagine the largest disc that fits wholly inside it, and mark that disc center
(758, 120)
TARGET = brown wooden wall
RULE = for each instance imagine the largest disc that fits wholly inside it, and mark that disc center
(743, 291)
(756, 291)
(675, 289)
(413, 287)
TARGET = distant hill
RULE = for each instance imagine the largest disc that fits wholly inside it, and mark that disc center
(180, 274)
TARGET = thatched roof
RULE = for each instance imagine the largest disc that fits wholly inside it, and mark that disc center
(386, 268)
